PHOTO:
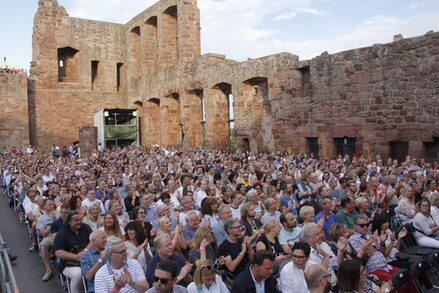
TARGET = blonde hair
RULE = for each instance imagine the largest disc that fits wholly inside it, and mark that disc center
(404, 194)
(361, 200)
(89, 216)
(116, 226)
(245, 208)
(305, 210)
(200, 271)
(434, 197)
(161, 221)
(200, 235)
(270, 225)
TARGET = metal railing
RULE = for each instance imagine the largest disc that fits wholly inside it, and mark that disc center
(7, 277)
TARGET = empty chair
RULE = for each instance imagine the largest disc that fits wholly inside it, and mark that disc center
(401, 278)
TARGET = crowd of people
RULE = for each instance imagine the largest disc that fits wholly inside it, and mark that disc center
(164, 220)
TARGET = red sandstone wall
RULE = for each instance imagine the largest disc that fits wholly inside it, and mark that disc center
(14, 119)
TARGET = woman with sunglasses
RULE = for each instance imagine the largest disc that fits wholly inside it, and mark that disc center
(352, 278)
(206, 279)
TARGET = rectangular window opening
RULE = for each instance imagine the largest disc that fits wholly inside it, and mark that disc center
(94, 74)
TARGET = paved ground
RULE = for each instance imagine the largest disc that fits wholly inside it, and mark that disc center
(28, 268)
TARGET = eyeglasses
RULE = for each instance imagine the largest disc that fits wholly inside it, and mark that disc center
(364, 225)
(240, 227)
(213, 267)
(164, 281)
(326, 276)
(298, 256)
(120, 252)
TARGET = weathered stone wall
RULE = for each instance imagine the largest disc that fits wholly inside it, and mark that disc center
(379, 94)
(88, 139)
(14, 119)
(60, 105)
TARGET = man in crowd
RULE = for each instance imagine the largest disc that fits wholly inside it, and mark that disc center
(93, 259)
(258, 276)
(69, 245)
(120, 274)
(164, 250)
(165, 278)
(318, 279)
(43, 227)
(289, 234)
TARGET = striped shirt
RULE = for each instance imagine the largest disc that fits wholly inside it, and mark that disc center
(104, 277)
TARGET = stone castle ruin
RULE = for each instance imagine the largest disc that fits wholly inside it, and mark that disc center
(382, 99)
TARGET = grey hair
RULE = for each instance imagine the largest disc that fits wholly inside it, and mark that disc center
(222, 208)
(313, 275)
(158, 239)
(95, 233)
(307, 231)
(190, 214)
(114, 245)
(228, 223)
(361, 217)
(252, 192)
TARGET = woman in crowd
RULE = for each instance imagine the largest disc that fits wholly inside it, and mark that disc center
(116, 207)
(93, 217)
(137, 244)
(307, 214)
(75, 203)
(434, 210)
(206, 279)
(406, 205)
(132, 200)
(248, 219)
(205, 247)
(115, 233)
(391, 243)
(114, 196)
(178, 241)
(139, 215)
(362, 205)
(269, 240)
(352, 278)
(426, 228)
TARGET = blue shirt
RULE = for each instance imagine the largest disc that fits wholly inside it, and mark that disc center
(328, 222)
(285, 201)
(89, 259)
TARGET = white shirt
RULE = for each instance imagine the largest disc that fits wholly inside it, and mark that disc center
(86, 203)
(434, 211)
(236, 213)
(318, 258)
(104, 277)
(292, 279)
(217, 287)
(200, 194)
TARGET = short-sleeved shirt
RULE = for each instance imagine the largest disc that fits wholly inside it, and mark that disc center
(89, 259)
(104, 277)
(44, 221)
(234, 249)
(347, 220)
(188, 233)
(67, 240)
(289, 238)
(328, 222)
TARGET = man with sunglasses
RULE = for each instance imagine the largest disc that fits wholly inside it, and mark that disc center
(120, 274)
(235, 247)
(165, 278)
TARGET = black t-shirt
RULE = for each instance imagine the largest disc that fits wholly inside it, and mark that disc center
(69, 241)
(233, 249)
(275, 248)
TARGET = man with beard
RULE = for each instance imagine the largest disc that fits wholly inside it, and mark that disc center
(318, 279)
(289, 234)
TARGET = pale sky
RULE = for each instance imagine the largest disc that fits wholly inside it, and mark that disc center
(243, 29)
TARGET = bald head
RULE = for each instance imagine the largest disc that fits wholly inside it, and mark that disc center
(314, 274)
